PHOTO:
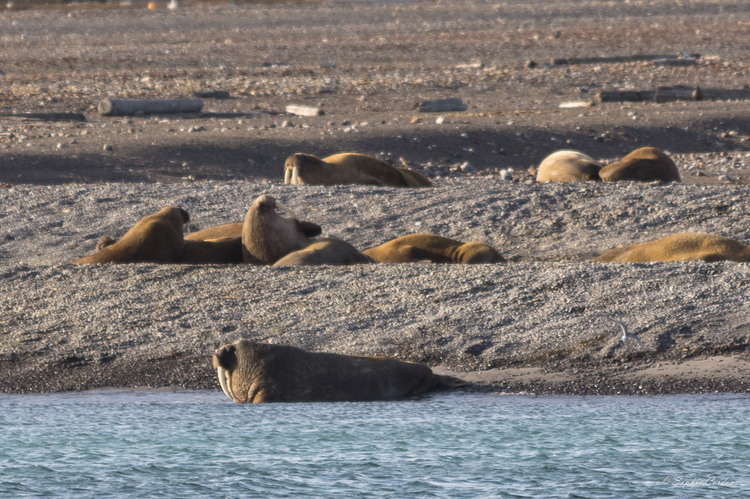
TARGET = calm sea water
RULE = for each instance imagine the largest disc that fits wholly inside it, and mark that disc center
(200, 444)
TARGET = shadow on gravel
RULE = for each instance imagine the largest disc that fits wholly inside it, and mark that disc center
(262, 157)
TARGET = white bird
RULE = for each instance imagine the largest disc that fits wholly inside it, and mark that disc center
(625, 333)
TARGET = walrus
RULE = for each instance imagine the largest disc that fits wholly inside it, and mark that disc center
(260, 372)
(156, 238)
(568, 166)
(646, 164)
(437, 249)
(220, 231)
(680, 247)
(349, 168)
(219, 250)
(268, 236)
(326, 251)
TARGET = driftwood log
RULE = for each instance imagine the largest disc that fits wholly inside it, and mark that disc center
(129, 107)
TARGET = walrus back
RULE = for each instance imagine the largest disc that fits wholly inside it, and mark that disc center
(680, 247)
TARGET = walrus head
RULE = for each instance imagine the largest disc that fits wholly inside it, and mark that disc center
(295, 164)
(225, 362)
(268, 236)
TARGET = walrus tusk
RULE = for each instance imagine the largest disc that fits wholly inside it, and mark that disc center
(286, 209)
(222, 381)
(295, 175)
(287, 176)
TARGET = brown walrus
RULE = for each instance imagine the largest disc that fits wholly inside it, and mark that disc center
(438, 249)
(259, 372)
(220, 231)
(268, 236)
(568, 166)
(348, 168)
(156, 238)
(219, 250)
(646, 164)
(327, 251)
(680, 247)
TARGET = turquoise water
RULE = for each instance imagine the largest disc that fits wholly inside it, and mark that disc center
(199, 444)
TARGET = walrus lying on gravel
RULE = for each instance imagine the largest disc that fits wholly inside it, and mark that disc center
(258, 372)
(437, 249)
(348, 168)
(268, 236)
(680, 247)
(327, 251)
(646, 164)
(220, 244)
(156, 238)
(568, 166)
(220, 231)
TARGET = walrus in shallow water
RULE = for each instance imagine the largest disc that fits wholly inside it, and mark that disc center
(437, 249)
(326, 251)
(680, 247)
(349, 168)
(268, 236)
(156, 238)
(258, 372)
(568, 166)
(646, 164)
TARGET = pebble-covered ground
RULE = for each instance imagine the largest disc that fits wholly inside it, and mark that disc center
(533, 324)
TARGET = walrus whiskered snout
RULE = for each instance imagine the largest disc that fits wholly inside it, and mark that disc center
(292, 166)
(225, 361)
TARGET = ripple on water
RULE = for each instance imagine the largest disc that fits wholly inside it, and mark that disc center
(164, 444)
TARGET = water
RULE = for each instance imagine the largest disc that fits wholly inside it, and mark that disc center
(199, 444)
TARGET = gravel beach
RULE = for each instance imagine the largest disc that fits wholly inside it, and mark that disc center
(534, 324)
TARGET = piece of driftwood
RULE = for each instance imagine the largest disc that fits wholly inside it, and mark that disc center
(619, 96)
(675, 61)
(46, 116)
(304, 110)
(129, 107)
(212, 94)
(576, 103)
(440, 106)
(669, 94)
(618, 58)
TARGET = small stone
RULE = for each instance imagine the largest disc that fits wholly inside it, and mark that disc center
(362, 98)
(440, 120)
(108, 147)
(85, 132)
(286, 124)
(416, 119)
(60, 145)
(511, 123)
(531, 64)
(725, 178)
(466, 167)
(345, 123)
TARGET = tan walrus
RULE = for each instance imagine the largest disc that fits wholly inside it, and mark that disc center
(218, 232)
(349, 168)
(568, 166)
(259, 372)
(646, 164)
(156, 238)
(327, 251)
(680, 247)
(220, 244)
(268, 236)
(437, 249)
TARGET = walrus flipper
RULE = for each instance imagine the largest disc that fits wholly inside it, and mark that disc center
(309, 229)
(441, 382)
(413, 179)
(419, 254)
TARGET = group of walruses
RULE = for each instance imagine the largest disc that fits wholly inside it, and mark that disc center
(268, 238)
(257, 372)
